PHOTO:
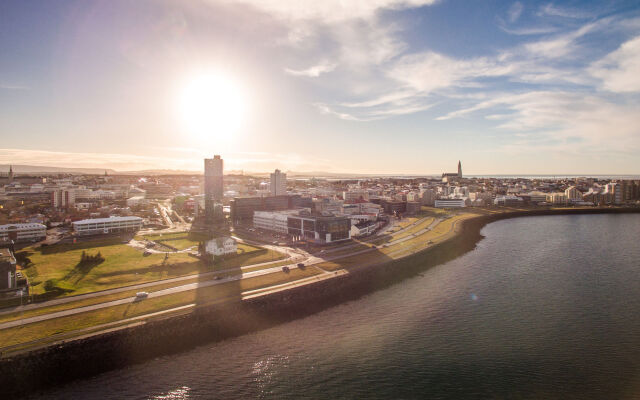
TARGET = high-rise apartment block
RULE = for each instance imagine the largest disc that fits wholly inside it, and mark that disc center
(278, 183)
(213, 189)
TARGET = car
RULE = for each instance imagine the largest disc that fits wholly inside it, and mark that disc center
(285, 269)
(301, 265)
(142, 295)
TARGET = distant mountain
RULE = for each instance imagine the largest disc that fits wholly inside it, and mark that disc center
(42, 169)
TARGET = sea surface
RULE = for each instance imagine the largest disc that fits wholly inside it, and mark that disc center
(543, 308)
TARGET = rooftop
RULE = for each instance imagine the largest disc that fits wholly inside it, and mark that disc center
(110, 219)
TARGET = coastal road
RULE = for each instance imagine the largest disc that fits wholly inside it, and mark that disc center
(302, 256)
(133, 299)
(294, 258)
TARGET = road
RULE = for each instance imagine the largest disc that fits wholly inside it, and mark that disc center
(127, 300)
(294, 255)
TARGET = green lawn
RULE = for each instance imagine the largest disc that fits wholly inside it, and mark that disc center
(248, 255)
(179, 240)
(206, 295)
(122, 265)
(57, 270)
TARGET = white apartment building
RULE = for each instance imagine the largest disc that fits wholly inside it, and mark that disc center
(103, 226)
(278, 183)
(450, 203)
(556, 198)
(31, 232)
(572, 193)
(271, 221)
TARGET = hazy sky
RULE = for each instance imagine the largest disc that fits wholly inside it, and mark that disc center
(371, 86)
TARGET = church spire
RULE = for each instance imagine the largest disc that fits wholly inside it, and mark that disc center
(459, 169)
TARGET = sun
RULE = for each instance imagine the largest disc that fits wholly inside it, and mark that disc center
(212, 106)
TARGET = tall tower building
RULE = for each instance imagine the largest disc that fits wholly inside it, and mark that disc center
(213, 190)
(278, 183)
(10, 174)
(459, 169)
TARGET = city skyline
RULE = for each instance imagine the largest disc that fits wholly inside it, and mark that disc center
(388, 87)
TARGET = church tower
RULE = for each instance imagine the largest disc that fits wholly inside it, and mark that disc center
(459, 169)
(10, 174)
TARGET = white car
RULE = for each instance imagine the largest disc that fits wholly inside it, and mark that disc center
(142, 295)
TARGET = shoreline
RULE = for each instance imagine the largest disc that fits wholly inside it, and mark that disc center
(81, 358)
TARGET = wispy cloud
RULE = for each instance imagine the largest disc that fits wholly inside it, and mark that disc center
(13, 87)
(312, 72)
(620, 70)
(330, 11)
(515, 11)
(536, 30)
(555, 11)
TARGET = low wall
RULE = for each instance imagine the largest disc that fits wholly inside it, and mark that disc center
(82, 358)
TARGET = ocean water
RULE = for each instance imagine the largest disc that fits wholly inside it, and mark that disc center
(543, 308)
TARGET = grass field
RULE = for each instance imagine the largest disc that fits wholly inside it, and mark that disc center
(58, 269)
(211, 294)
(179, 240)
(123, 265)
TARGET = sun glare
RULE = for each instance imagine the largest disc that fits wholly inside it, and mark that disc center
(212, 106)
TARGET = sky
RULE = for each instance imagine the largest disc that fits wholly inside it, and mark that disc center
(360, 86)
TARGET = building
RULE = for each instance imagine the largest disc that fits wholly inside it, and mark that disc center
(572, 193)
(556, 198)
(428, 197)
(449, 176)
(319, 229)
(413, 207)
(302, 225)
(392, 207)
(221, 246)
(355, 195)
(105, 226)
(278, 183)
(156, 190)
(363, 228)
(213, 185)
(271, 221)
(242, 208)
(136, 201)
(64, 198)
(7, 269)
(450, 203)
(508, 201)
(31, 232)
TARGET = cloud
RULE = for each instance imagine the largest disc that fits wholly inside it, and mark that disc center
(312, 72)
(562, 120)
(331, 11)
(515, 11)
(541, 30)
(555, 11)
(619, 71)
(13, 87)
